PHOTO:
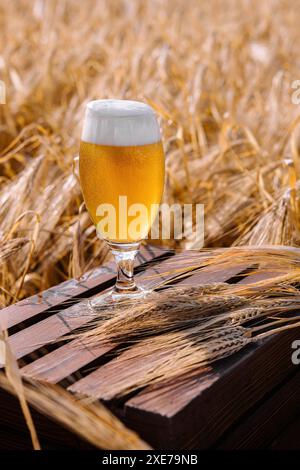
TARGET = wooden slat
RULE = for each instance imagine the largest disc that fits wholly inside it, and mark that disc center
(261, 276)
(171, 268)
(100, 383)
(55, 296)
(47, 368)
(68, 290)
(14, 432)
(149, 404)
(57, 372)
(64, 361)
(46, 331)
(49, 330)
(199, 421)
(259, 427)
(195, 388)
(195, 414)
(211, 274)
(289, 438)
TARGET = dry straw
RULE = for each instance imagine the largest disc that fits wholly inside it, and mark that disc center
(181, 330)
(219, 75)
(92, 422)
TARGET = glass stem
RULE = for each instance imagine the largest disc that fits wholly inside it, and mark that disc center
(124, 254)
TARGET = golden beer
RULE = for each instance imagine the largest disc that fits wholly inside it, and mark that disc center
(121, 164)
(108, 172)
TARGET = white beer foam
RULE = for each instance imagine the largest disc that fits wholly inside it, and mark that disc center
(120, 123)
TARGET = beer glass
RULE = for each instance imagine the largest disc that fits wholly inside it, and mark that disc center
(121, 165)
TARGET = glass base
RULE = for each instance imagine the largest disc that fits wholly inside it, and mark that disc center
(112, 297)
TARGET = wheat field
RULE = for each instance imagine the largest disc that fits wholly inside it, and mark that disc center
(219, 75)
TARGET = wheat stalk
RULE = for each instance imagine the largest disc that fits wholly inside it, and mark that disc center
(93, 422)
(231, 144)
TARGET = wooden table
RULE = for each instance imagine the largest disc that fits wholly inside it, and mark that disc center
(250, 400)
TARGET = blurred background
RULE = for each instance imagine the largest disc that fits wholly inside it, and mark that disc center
(219, 74)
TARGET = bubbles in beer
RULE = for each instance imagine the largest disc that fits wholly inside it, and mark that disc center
(120, 123)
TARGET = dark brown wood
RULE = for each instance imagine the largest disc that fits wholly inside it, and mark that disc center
(14, 434)
(69, 358)
(48, 367)
(246, 376)
(289, 438)
(260, 425)
(209, 275)
(205, 409)
(58, 324)
(94, 280)
(97, 383)
(55, 296)
(242, 402)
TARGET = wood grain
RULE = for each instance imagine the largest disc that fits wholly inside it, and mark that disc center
(242, 402)
(47, 367)
(59, 324)
(215, 387)
(62, 362)
(206, 408)
(101, 383)
(259, 427)
(96, 279)
(289, 437)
